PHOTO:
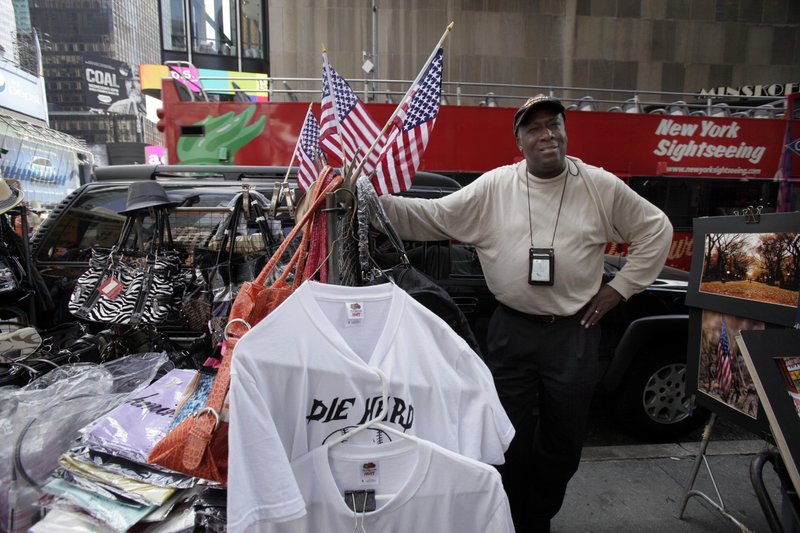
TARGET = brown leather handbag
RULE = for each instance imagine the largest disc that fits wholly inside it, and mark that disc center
(199, 445)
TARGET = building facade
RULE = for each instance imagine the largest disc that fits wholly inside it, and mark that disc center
(46, 163)
(683, 46)
(216, 34)
(91, 53)
(657, 45)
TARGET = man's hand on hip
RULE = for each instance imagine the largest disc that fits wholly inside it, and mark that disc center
(601, 303)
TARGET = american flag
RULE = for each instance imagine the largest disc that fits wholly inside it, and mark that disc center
(343, 111)
(412, 128)
(308, 152)
(724, 374)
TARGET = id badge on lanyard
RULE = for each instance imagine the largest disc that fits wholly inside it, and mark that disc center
(542, 266)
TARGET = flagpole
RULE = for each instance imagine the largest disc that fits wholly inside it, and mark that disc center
(389, 122)
(326, 68)
(279, 191)
(299, 138)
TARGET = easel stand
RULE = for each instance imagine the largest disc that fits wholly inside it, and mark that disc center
(700, 459)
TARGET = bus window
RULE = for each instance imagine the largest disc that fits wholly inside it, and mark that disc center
(684, 199)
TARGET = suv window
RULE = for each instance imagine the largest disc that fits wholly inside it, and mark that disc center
(94, 220)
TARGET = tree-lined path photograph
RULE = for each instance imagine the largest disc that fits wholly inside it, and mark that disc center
(763, 267)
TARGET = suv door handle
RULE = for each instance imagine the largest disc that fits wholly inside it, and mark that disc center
(467, 304)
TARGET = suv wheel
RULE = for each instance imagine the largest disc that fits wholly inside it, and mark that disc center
(653, 404)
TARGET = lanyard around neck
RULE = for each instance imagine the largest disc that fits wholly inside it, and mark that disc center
(560, 203)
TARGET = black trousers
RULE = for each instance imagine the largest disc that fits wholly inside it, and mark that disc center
(552, 367)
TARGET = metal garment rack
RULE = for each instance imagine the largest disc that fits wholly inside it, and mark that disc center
(700, 459)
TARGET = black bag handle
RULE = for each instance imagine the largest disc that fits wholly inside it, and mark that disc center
(247, 205)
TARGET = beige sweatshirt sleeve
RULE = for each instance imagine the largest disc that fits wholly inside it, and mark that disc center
(649, 233)
(455, 216)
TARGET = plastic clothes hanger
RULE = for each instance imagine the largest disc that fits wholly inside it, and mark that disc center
(375, 422)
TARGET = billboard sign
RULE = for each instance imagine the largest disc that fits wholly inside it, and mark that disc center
(254, 85)
(22, 92)
(155, 155)
(104, 80)
(47, 173)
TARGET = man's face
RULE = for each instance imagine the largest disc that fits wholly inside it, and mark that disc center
(135, 91)
(543, 141)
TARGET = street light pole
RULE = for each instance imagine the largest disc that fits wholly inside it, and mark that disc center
(374, 45)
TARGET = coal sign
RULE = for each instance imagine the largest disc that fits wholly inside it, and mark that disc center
(104, 80)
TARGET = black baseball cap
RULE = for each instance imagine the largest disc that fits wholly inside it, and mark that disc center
(537, 102)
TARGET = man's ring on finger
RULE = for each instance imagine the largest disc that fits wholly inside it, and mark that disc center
(596, 310)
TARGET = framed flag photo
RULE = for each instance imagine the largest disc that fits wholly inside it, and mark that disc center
(747, 265)
(773, 357)
(716, 373)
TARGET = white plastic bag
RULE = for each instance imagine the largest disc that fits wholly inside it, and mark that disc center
(40, 421)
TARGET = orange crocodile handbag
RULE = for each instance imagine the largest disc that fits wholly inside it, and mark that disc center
(198, 446)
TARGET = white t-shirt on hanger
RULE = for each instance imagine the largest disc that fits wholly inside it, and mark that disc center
(303, 376)
(427, 487)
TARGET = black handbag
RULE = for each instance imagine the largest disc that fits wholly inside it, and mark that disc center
(27, 353)
(236, 253)
(12, 273)
(139, 283)
(415, 282)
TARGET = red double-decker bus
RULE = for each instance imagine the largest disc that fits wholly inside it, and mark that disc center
(691, 160)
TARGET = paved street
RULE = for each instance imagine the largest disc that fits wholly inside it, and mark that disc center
(639, 488)
(626, 485)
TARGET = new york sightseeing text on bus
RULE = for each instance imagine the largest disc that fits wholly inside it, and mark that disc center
(691, 155)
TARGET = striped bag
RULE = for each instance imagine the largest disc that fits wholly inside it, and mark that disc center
(137, 283)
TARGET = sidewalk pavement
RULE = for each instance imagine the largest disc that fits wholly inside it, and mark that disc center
(640, 488)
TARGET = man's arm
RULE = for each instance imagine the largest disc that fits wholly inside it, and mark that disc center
(455, 216)
(648, 232)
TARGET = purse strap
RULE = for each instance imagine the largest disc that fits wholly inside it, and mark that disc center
(125, 233)
(302, 225)
(247, 205)
(369, 207)
(208, 418)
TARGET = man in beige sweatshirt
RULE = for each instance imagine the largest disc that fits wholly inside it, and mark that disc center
(540, 228)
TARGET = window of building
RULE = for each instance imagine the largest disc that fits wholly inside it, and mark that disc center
(213, 26)
(252, 40)
(174, 25)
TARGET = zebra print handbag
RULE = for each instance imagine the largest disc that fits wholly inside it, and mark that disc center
(136, 284)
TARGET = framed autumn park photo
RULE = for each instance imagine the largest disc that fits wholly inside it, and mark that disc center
(716, 373)
(747, 266)
(773, 358)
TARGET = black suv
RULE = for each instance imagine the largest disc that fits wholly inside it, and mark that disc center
(643, 348)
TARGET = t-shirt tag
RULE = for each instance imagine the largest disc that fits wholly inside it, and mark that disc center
(354, 314)
(360, 501)
(111, 288)
(368, 473)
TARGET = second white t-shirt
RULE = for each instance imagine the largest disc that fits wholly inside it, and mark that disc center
(417, 487)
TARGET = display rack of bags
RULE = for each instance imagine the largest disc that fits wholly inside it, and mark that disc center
(235, 254)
